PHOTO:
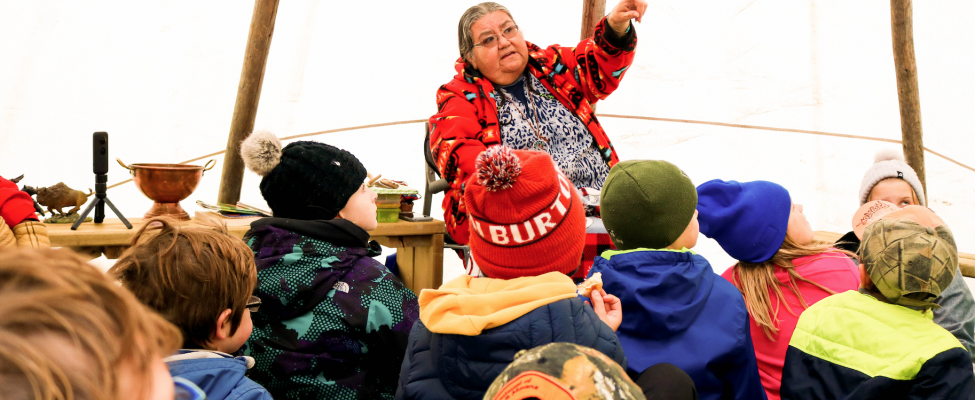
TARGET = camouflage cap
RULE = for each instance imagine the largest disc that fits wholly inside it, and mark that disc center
(910, 256)
(558, 371)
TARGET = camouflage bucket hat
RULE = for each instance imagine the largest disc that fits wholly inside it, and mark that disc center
(909, 263)
(559, 371)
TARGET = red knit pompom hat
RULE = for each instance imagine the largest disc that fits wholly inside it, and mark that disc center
(526, 218)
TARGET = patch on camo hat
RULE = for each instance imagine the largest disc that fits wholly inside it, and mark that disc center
(870, 213)
(558, 371)
(910, 255)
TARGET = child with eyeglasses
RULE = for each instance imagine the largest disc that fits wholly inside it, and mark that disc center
(68, 332)
(201, 279)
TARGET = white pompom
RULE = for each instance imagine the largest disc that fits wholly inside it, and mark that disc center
(261, 152)
(497, 168)
(887, 155)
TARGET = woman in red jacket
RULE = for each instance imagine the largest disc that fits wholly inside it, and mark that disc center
(512, 92)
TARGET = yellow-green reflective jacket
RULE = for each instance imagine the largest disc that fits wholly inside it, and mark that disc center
(853, 346)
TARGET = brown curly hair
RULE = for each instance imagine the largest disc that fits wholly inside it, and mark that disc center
(189, 275)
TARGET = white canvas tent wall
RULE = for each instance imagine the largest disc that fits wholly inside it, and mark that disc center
(161, 78)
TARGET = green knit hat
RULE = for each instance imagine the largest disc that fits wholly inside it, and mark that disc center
(647, 203)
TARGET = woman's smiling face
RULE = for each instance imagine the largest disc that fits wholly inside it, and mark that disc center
(504, 61)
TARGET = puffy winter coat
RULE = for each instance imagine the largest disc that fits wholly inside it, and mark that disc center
(333, 321)
(462, 366)
(466, 121)
(852, 346)
(677, 310)
(957, 312)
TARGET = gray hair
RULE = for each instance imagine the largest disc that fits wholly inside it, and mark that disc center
(465, 40)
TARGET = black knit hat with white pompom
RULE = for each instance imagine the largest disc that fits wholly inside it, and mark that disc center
(305, 180)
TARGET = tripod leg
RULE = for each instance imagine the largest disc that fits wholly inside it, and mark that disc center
(117, 213)
(81, 218)
(100, 211)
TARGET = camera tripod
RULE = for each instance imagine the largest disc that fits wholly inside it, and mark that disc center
(101, 199)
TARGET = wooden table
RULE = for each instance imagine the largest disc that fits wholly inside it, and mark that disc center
(966, 262)
(419, 245)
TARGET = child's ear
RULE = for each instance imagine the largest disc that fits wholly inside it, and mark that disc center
(865, 278)
(224, 324)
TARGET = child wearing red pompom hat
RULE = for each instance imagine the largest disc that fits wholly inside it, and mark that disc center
(527, 236)
(526, 217)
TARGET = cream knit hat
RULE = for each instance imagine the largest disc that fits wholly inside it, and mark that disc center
(889, 163)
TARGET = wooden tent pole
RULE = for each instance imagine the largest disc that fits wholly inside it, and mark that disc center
(248, 96)
(902, 32)
(592, 12)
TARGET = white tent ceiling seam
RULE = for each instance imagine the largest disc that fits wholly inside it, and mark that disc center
(685, 121)
(766, 128)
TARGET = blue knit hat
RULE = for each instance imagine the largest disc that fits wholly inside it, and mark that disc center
(748, 219)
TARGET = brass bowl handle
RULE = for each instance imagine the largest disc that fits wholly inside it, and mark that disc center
(206, 168)
(131, 170)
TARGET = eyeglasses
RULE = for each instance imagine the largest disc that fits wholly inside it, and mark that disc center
(254, 304)
(492, 40)
(186, 390)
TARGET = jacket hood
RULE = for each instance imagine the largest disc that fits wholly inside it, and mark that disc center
(337, 231)
(445, 366)
(671, 288)
(190, 354)
(467, 305)
(220, 375)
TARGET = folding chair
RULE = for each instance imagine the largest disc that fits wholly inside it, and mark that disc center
(436, 185)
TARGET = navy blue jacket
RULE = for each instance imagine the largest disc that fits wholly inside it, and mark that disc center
(441, 366)
(220, 375)
(677, 310)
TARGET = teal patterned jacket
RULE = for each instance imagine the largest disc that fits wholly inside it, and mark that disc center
(333, 322)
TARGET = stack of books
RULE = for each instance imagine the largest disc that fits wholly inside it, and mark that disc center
(240, 210)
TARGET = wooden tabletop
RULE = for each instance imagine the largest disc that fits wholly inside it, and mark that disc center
(113, 233)
(828, 237)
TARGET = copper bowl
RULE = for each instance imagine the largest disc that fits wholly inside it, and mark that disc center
(167, 185)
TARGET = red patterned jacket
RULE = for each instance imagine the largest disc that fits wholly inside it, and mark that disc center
(467, 119)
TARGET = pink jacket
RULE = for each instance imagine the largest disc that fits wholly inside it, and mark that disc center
(832, 270)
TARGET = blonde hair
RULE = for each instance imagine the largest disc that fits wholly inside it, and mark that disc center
(66, 330)
(755, 281)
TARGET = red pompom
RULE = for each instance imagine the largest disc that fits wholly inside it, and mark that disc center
(497, 168)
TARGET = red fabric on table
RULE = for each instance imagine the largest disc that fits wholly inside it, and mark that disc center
(16, 206)
(596, 244)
